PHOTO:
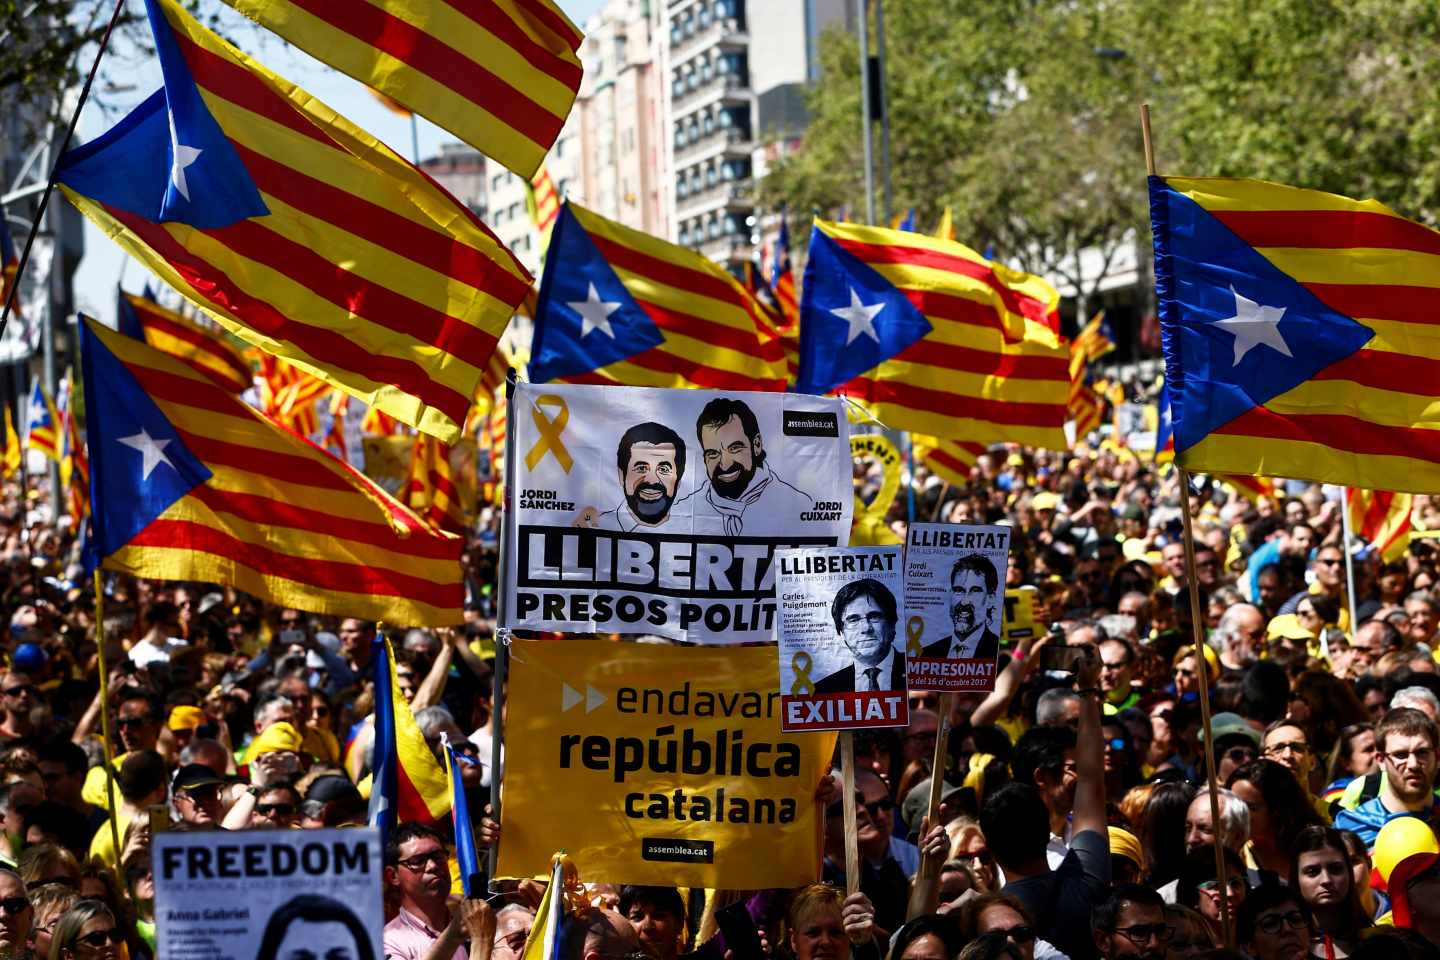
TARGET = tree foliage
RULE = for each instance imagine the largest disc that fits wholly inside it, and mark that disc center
(1023, 116)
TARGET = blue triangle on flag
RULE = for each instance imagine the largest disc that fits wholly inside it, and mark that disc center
(851, 319)
(585, 319)
(128, 320)
(168, 160)
(1246, 330)
(139, 465)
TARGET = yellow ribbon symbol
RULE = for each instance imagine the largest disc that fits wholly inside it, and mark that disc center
(914, 630)
(550, 431)
(802, 687)
(868, 528)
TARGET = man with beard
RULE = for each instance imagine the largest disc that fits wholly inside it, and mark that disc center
(651, 458)
(973, 586)
(740, 480)
(1405, 742)
(864, 613)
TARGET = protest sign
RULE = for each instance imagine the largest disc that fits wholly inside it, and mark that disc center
(268, 894)
(869, 527)
(656, 764)
(1019, 622)
(641, 510)
(954, 589)
(840, 668)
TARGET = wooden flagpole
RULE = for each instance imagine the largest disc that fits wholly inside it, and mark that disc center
(102, 669)
(1197, 617)
(925, 895)
(852, 837)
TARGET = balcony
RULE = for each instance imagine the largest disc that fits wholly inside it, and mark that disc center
(719, 88)
(722, 195)
(696, 35)
(727, 141)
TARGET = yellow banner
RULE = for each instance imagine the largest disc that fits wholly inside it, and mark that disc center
(869, 527)
(657, 765)
(1019, 618)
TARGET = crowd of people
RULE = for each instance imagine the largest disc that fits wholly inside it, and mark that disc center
(1075, 820)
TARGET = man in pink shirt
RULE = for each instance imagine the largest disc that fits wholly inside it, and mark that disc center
(428, 926)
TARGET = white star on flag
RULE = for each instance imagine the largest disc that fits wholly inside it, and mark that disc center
(152, 452)
(594, 313)
(860, 316)
(183, 157)
(1254, 324)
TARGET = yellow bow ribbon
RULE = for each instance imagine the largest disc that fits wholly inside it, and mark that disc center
(550, 431)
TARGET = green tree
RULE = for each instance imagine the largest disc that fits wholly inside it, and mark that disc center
(1023, 117)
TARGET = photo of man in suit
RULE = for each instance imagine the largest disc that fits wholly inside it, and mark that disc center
(865, 614)
(974, 587)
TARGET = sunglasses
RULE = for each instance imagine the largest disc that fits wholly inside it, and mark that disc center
(876, 806)
(837, 809)
(1020, 935)
(20, 689)
(1272, 922)
(983, 855)
(14, 905)
(132, 722)
(96, 939)
(272, 809)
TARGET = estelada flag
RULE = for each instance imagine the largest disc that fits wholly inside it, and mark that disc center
(619, 306)
(1298, 332)
(407, 783)
(932, 337)
(187, 482)
(42, 424)
(298, 232)
(543, 202)
(167, 331)
(1382, 518)
(499, 74)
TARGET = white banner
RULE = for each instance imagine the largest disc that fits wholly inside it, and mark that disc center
(954, 605)
(841, 667)
(641, 510)
(236, 895)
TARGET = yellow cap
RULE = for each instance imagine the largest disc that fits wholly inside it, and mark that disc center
(1125, 844)
(276, 738)
(185, 718)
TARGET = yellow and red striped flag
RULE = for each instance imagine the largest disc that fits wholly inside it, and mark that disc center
(75, 465)
(933, 337)
(298, 232)
(1083, 407)
(945, 230)
(950, 460)
(335, 440)
(13, 456)
(42, 427)
(543, 201)
(499, 74)
(190, 483)
(434, 490)
(185, 340)
(1382, 518)
(620, 306)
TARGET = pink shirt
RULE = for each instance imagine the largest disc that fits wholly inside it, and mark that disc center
(408, 937)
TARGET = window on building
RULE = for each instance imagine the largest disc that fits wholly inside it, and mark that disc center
(682, 189)
(706, 16)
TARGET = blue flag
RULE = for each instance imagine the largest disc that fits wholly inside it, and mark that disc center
(466, 853)
(385, 762)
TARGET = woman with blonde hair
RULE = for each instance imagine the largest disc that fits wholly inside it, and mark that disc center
(87, 931)
(967, 845)
(823, 922)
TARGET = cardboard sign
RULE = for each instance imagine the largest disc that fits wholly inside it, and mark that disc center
(268, 894)
(1019, 614)
(841, 667)
(954, 583)
(641, 510)
(658, 765)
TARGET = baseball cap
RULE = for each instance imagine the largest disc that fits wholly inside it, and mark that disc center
(1044, 501)
(194, 775)
(1227, 724)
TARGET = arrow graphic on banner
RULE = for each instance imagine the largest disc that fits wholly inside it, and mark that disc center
(570, 697)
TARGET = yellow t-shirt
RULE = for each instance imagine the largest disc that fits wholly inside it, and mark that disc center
(102, 846)
(93, 790)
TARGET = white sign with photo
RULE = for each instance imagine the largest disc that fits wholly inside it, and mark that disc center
(269, 894)
(954, 605)
(641, 510)
(842, 664)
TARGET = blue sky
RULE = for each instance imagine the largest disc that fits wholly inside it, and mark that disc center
(104, 264)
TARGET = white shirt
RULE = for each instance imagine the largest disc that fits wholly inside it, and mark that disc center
(965, 649)
(882, 679)
(144, 653)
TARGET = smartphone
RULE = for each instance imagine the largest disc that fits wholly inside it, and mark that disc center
(159, 818)
(741, 937)
(1060, 659)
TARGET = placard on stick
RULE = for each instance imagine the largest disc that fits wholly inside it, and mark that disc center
(954, 589)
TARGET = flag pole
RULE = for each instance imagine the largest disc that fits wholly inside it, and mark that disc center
(13, 293)
(852, 834)
(502, 633)
(1197, 624)
(1349, 572)
(926, 892)
(105, 712)
(863, 29)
